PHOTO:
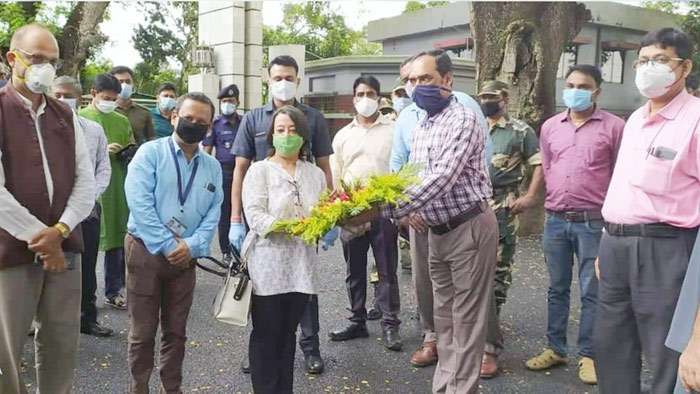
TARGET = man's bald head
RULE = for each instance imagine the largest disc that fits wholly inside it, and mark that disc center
(30, 33)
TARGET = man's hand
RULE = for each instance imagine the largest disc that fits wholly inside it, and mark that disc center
(597, 268)
(417, 223)
(689, 367)
(364, 217)
(113, 148)
(46, 241)
(522, 204)
(181, 256)
(54, 262)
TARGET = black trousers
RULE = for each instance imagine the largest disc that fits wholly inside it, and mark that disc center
(640, 280)
(383, 240)
(225, 219)
(91, 237)
(272, 341)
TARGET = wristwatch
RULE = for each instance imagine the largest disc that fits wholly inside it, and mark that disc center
(63, 229)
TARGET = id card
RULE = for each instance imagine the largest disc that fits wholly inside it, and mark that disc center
(176, 226)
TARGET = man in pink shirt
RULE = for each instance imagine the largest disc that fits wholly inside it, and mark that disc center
(579, 148)
(651, 213)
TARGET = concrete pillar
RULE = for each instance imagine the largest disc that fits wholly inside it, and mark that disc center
(205, 83)
(234, 30)
(298, 52)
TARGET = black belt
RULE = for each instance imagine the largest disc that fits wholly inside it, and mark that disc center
(660, 230)
(460, 219)
(578, 216)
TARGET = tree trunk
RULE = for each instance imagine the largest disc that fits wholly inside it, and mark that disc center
(520, 43)
(80, 33)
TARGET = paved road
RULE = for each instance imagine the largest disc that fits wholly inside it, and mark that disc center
(214, 350)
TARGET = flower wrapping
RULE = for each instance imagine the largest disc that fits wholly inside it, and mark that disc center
(339, 205)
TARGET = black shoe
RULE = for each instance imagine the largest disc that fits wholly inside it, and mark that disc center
(352, 331)
(314, 364)
(95, 329)
(374, 314)
(392, 340)
(245, 365)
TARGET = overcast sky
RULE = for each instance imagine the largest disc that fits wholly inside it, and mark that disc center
(120, 50)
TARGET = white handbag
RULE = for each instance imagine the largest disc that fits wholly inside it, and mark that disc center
(232, 303)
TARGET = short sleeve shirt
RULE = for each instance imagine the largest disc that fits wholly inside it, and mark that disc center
(223, 134)
(514, 143)
(251, 140)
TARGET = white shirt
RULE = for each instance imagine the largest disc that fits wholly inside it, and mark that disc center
(16, 219)
(279, 263)
(359, 152)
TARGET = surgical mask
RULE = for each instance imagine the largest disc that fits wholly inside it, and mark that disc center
(490, 108)
(125, 94)
(190, 132)
(73, 103)
(167, 103)
(429, 98)
(366, 106)
(409, 89)
(654, 80)
(227, 108)
(287, 145)
(38, 77)
(106, 106)
(283, 90)
(577, 99)
(401, 103)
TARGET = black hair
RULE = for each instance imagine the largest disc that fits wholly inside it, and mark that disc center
(442, 59)
(590, 70)
(692, 82)
(104, 82)
(367, 80)
(284, 60)
(194, 96)
(166, 86)
(301, 126)
(670, 37)
(122, 69)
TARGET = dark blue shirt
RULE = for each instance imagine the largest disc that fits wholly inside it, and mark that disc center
(223, 133)
(251, 141)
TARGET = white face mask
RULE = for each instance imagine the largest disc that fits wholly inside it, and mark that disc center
(106, 106)
(283, 90)
(125, 94)
(409, 89)
(228, 108)
(73, 103)
(654, 80)
(39, 77)
(366, 107)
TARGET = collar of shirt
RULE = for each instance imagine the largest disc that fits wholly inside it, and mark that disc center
(502, 123)
(222, 119)
(156, 111)
(381, 120)
(28, 104)
(596, 115)
(178, 151)
(270, 107)
(670, 111)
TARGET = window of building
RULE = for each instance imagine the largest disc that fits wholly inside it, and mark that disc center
(612, 65)
(568, 58)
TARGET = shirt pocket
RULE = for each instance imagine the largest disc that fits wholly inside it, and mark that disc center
(597, 154)
(204, 200)
(654, 176)
(261, 145)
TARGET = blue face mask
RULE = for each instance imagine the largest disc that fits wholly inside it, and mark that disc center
(401, 103)
(429, 98)
(577, 99)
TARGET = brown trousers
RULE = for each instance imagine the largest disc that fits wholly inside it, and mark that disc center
(53, 302)
(462, 266)
(420, 270)
(157, 292)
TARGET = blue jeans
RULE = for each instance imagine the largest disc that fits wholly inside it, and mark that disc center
(561, 240)
(114, 272)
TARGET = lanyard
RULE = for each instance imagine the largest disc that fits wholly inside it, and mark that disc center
(182, 197)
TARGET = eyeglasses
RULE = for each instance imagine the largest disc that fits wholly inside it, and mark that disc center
(657, 60)
(297, 196)
(39, 59)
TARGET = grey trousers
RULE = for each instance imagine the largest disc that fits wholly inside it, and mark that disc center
(53, 301)
(420, 271)
(462, 267)
(640, 279)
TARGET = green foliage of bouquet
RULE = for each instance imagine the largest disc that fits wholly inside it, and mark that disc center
(348, 201)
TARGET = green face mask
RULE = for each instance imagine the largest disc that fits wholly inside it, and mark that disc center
(287, 145)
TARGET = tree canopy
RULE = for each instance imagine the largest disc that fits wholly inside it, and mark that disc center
(421, 5)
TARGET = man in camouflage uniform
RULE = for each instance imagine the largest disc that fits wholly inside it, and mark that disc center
(515, 146)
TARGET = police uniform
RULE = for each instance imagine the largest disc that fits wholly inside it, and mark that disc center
(223, 133)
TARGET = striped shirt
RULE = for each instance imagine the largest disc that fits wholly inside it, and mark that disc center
(450, 145)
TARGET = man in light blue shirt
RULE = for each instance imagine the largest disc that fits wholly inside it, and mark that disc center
(174, 193)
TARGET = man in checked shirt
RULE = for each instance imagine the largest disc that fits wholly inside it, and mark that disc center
(462, 230)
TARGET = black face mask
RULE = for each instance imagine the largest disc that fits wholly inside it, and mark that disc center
(190, 133)
(490, 108)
